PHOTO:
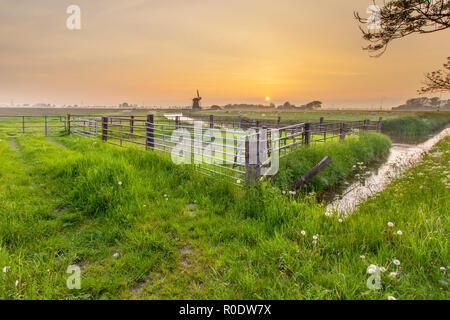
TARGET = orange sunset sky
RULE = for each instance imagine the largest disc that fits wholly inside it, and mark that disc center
(158, 52)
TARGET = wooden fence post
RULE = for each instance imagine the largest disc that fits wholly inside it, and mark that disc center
(307, 133)
(239, 121)
(23, 124)
(342, 130)
(177, 121)
(68, 124)
(278, 122)
(211, 121)
(149, 132)
(104, 129)
(323, 128)
(45, 120)
(366, 125)
(131, 124)
(380, 123)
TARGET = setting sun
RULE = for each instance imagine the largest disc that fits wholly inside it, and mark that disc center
(267, 98)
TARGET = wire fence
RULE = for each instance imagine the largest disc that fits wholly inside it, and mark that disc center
(228, 148)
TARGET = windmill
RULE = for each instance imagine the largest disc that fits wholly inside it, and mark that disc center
(196, 102)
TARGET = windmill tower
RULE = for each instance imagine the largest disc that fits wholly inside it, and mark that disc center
(196, 102)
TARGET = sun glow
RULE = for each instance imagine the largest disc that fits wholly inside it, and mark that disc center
(267, 98)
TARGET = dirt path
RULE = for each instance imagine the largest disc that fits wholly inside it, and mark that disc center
(401, 158)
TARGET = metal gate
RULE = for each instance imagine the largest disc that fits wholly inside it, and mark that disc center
(85, 127)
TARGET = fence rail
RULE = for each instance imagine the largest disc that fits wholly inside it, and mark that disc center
(47, 125)
(215, 147)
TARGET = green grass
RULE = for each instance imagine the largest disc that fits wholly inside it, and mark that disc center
(415, 126)
(363, 147)
(226, 244)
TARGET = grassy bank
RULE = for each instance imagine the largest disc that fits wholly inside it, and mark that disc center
(361, 148)
(415, 125)
(141, 227)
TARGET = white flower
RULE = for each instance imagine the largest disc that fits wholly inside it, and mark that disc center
(120, 183)
(315, 237)
(292, 193)
(303, 232)
(16, 283)
(399, 232)
(314, 242)
(165, 195)
(6, 269)
(443, 269)
(328, 214)
(393, 275)
(396, 262)
(238, 181)
(362, 257)
(383, 269)
(116, 255)
(390, 224)
(340, 220)
(391, 298)
(372, 269)
(284, 192)
(145, 206)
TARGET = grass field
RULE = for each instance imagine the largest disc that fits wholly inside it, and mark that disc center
(141, 227)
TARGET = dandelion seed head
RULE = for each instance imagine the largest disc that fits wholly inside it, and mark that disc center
(396, 262)
(391, 298)
(390, 224)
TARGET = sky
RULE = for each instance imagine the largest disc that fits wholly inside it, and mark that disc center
(159, 52)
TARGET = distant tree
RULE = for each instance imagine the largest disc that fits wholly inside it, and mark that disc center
(400, 18)
(314, 105)
(287, 105)
(437, 81)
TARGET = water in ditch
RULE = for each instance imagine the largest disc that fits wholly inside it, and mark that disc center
(402, 157)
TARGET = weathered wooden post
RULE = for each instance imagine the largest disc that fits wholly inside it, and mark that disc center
(131, 124)
(322, 128)
(23, 124)
(104, 129)
(177, 121)
(239, 120)
(68, 124)
(149, 132)
(366, 125)
(313, 172)
(211, 121)
(307, 133)
(380, 123)
(342, 130)
(278, 122)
